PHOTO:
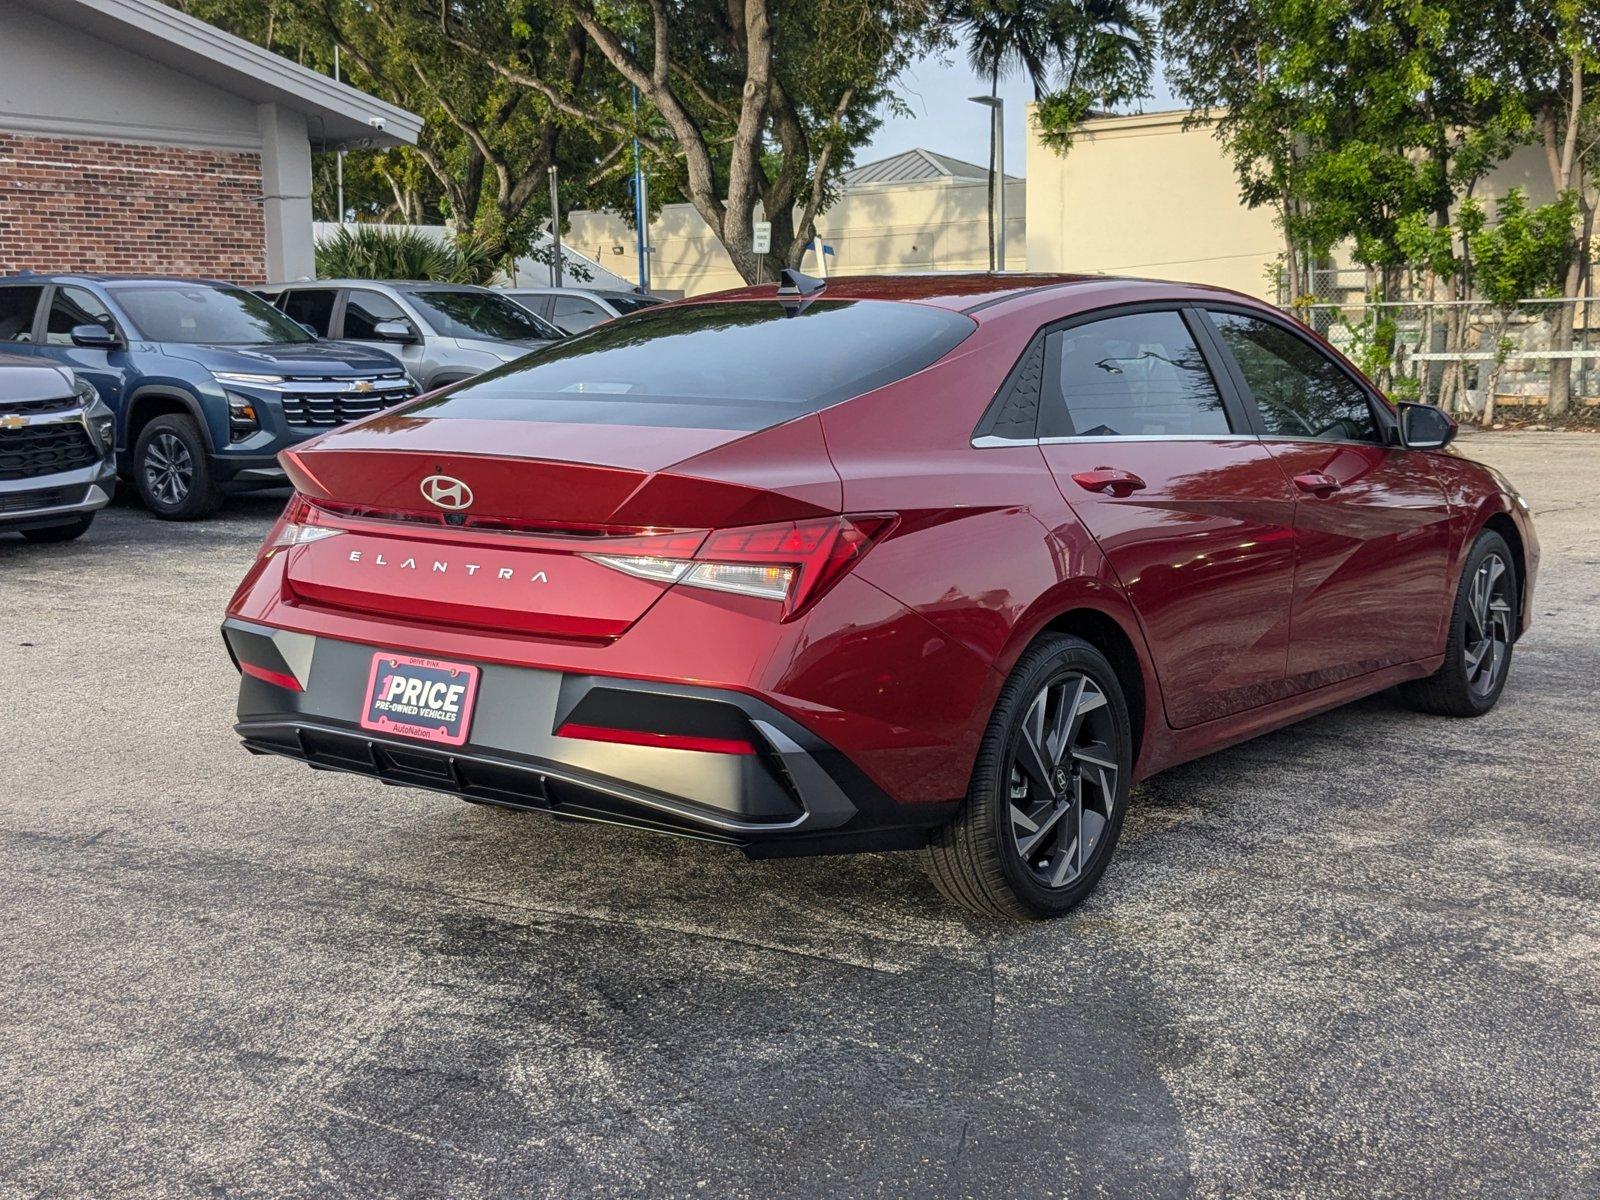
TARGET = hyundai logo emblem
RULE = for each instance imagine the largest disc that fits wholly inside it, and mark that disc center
(446, 492)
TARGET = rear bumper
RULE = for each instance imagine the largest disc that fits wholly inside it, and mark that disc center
(794, 795)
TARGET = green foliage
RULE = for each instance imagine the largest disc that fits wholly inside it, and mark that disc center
(1079, 55)
(1525, 253)
(372, 252)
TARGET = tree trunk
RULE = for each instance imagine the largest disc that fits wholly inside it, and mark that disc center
(1499, 362)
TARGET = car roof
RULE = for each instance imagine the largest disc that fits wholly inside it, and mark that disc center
(972, 291)
(40, 277)
(412, 285)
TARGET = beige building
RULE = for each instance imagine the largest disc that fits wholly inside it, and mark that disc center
(916, 211)
(1143, 195)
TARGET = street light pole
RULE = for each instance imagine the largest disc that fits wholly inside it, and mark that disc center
(555, 229)
(997, 184)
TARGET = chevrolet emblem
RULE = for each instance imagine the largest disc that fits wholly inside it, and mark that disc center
(363, 386)
(10, 421)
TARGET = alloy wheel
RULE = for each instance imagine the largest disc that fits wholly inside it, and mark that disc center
(1063, 779)
(1488, 626)
(168, 469)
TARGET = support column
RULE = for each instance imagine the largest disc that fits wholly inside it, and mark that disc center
(286, 193)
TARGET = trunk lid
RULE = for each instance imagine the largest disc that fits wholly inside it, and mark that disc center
(486, 523)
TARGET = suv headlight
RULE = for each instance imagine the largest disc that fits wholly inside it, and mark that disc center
(242, 417)
(247, 378)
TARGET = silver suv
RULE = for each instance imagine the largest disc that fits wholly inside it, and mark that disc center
(57, 458)
(441, 332)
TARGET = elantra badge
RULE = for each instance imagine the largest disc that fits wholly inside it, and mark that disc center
(446, 492)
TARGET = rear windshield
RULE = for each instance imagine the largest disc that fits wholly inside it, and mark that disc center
(734, 365)
(626, 302)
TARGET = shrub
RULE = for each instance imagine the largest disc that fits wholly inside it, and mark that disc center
(371, 252)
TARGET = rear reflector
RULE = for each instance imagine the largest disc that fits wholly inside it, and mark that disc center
(266, 674)
(668, 741)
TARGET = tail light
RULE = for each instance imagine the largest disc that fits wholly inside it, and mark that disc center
(794, 562)
(295, 527)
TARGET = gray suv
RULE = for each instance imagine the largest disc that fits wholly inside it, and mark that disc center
(57, 459)
(442, 332)
(572, 310)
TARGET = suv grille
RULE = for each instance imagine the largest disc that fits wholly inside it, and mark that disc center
(325, 404)
(36, 450)
(28, 408)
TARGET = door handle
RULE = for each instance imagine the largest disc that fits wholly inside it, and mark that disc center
(1317, 483)
(1109, 479)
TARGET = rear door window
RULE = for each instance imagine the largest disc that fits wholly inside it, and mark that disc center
(1299, 390)
(310, 306)
(18, 306)
(1132, 375)
(731, 365)
(576, 313)
(73, 307)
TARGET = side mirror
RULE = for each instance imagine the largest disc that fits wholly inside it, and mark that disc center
(95, 337)
(1424, 427)
(311, 329)
(395, 331)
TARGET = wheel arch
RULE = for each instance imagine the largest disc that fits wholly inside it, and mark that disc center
(148, 403)
(1106, 634)
(1501, 522)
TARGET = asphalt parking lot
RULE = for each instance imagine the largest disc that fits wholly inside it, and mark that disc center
(1357, 957)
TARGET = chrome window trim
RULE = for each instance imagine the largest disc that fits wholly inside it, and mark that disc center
(990, 442)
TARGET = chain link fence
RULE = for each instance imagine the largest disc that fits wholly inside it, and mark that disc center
(1461, 354)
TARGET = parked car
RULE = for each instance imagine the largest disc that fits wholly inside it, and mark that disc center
(573, 310)
(919, 561)
(442, 332)
(57, 465)
(206, 381)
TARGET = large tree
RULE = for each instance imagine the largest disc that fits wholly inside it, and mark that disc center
(486, 146)
(745, 104)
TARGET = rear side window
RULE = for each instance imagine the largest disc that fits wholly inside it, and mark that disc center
(1300, 391)
(576, 313)
(735, 365)
(313, 307)
(1135, 375)
(17, 308)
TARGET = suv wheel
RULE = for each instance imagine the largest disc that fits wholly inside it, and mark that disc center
(1048, 792)
(171, 471)
(74, 528)
(1477, 657)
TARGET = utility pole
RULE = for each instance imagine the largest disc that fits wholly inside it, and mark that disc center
(555, 228)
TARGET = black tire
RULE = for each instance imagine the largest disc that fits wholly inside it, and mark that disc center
(1461, 687)
(74, 528)
(171, 470)
(980, 860)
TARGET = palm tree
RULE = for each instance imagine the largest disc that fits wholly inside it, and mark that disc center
(1099, 48)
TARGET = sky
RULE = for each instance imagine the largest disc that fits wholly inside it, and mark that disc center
(937, 89)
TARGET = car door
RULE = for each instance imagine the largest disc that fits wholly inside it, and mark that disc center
(1154, 456)
(363, 310)
(103, 366)
(1372, 522)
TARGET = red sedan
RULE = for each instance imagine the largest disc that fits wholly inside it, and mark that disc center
(943, 562)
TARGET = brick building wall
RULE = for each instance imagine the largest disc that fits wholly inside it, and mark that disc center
(71, 204)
